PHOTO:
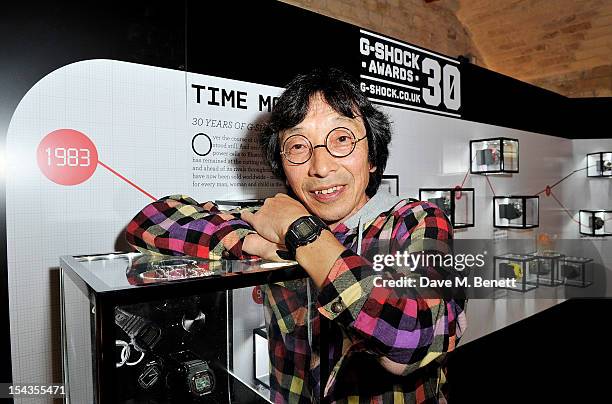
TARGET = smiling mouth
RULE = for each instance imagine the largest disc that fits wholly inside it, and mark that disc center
(329, 190)
(328, 194)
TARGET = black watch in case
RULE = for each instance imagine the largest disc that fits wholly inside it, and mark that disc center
(189, 374)
(303, 231)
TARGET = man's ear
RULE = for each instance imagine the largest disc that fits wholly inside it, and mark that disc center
(372, 168)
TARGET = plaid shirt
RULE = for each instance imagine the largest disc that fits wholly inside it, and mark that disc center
(381, 345)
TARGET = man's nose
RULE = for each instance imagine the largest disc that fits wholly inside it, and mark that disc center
(322, 163)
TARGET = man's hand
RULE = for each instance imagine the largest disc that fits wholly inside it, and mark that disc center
(254, 244)
(271, 223)
(275, 216)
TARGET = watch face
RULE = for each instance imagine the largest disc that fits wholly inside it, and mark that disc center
(303, 229)
(150, 375)
(201, 383)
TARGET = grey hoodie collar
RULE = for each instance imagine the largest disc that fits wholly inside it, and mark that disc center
(382, 201)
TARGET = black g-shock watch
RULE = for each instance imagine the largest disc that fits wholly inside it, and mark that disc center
(189, 374)
(303, 231)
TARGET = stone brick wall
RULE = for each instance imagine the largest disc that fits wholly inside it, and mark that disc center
(561, 45)
(595, 82)
(430, 25)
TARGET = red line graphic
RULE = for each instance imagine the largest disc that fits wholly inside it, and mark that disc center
(490, 186)
(468, 172)
(563, 179)
(464, 178)
(126, 180)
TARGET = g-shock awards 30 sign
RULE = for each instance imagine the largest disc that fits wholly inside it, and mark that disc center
(397, 74)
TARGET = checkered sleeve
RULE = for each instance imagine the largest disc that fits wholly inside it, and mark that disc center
(178, 225)
(404, 328)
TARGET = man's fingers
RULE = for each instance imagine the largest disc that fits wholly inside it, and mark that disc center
(260, 225)
(247, 216)
(256, 245)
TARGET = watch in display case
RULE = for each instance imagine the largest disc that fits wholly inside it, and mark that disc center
(189, 374)
(510, 270)
(144, 334)
(510, 211)
(516, 266)
(150, 374)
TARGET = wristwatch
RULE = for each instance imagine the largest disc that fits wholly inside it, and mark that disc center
(144, 334)
(303, 231)
(190, 374)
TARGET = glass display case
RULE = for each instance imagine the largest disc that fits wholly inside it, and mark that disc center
(547, 268)
(457, 203)
(516, 212)
(596, 223)
(599, 164)
(494, 156)
(139, 328)
(518, 267)
(577, 271)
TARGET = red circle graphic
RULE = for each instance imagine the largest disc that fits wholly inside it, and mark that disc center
(67, 157)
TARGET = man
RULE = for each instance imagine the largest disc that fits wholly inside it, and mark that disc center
(382, 344)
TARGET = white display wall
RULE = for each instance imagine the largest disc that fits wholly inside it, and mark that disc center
(146, 124)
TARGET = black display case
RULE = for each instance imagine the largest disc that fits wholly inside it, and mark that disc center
(494, 156)
(599, 165)
(595, 223)
(547, 268)
(577, 271)
(390, 183)
(516, 212)
(457, 203)
(517, 267)
(140, 328)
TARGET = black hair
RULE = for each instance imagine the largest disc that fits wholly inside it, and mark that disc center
(341, 92)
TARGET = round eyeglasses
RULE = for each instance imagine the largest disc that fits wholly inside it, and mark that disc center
(339, 142)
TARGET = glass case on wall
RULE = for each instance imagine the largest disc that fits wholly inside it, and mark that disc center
(151, 328)
(457, 203)
(599, 164)
(390, 184)
(596, 223)
(516, 212)
(494, 156)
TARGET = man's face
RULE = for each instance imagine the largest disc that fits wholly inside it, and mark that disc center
(343, 179)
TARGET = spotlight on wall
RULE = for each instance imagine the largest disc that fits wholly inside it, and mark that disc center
(468, 58)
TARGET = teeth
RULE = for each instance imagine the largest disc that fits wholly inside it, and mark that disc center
(327, 191)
